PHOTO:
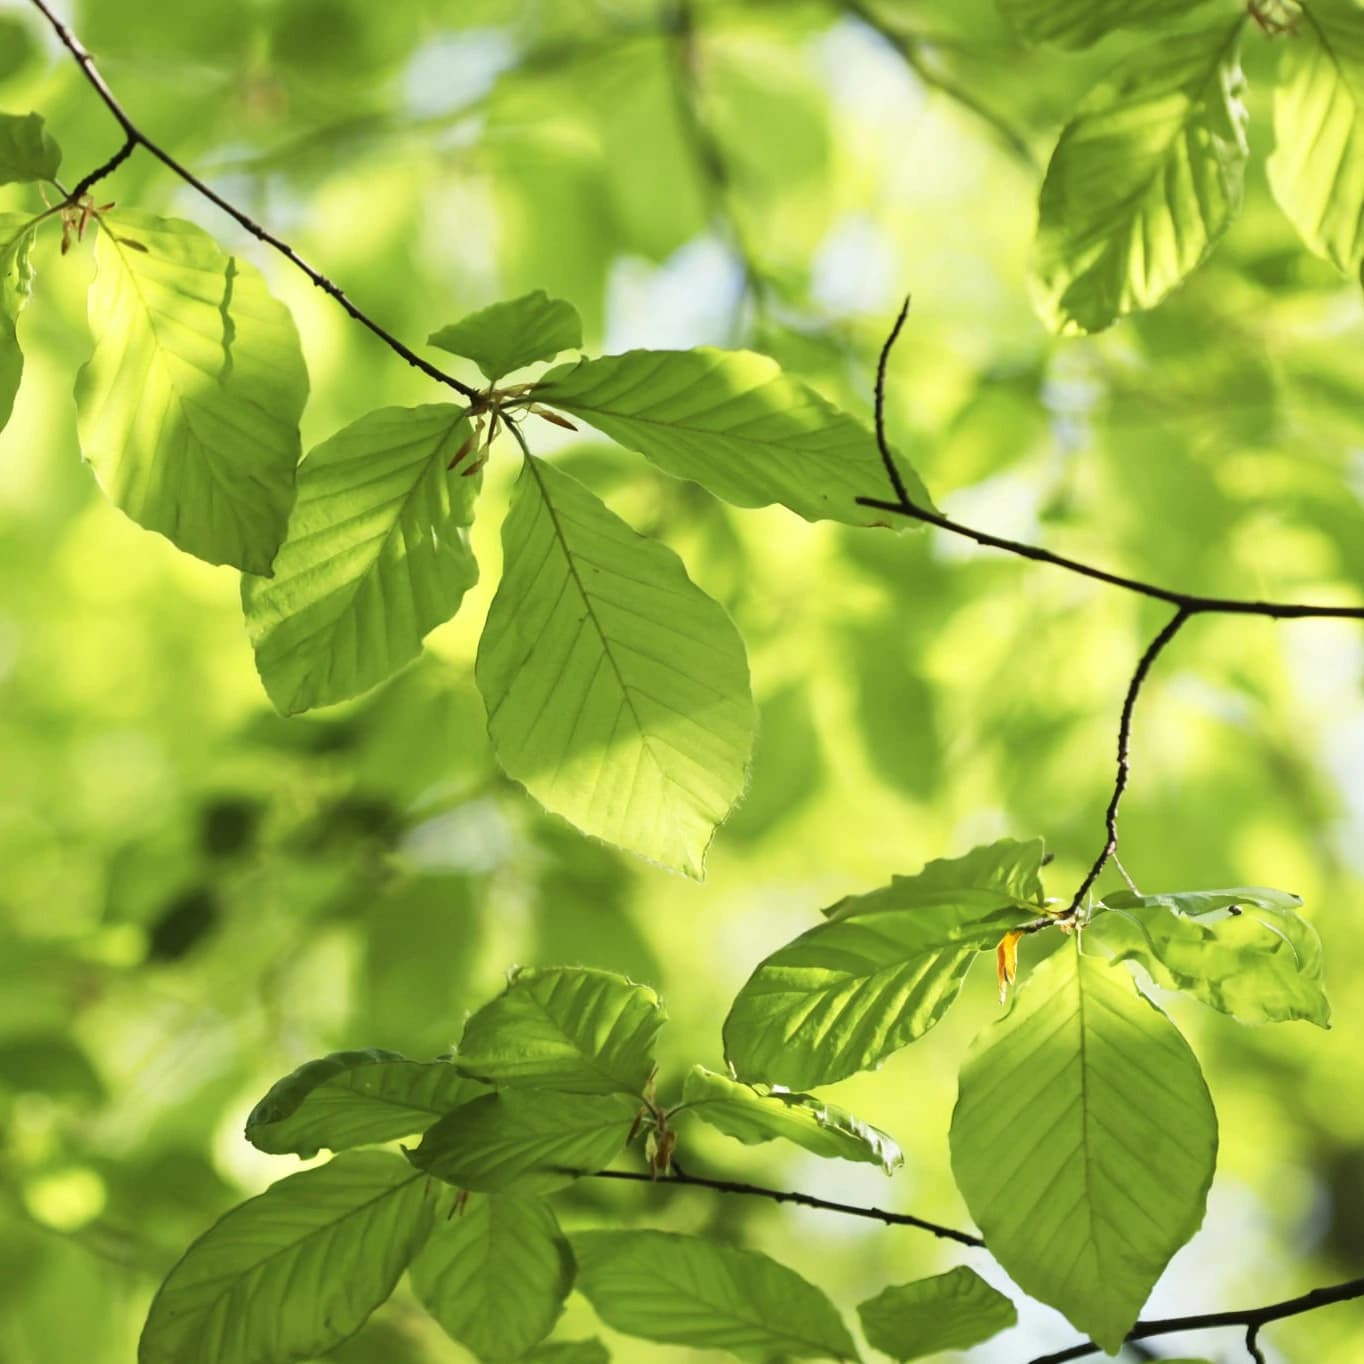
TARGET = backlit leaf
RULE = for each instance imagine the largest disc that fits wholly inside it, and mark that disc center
(495, 1275)
(1261, 965)
(530, 1140)
(565, 1028)
(16, 284)
(951, 1311)
(506, 336)
(1317, 168)
(354, 1098)
(27, 150)
(1084, 1142)
(1078, 23)
(733, 422)
(376, 556)
(188, 409)
(346, 1230)
(755, 1114)
(617, 691)
(683, 1290)
(1144, 181)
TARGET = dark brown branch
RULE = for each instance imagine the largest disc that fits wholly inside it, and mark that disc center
(134, 138)
(891, 1219)
(1191, 603)
(1251, 1318)
(1153, 651)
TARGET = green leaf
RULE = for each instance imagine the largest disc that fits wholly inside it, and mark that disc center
(882, 971)
(1078, 23)
(569, 1028)
(733, 422)
(495, 1275)
(508, 335)
(951, 1311)
(1144, 181)
(27, 150)
(755, 1114)
(1317, 167)
(293, 1272)
(354, 1098)
(188, 409)
(1084, 1141)
(16, 284)
(1261, 965)
(1000, 875)
(570, 1352)
(376, 556)
(617, 691)
(531, 1140)
(683, 1290)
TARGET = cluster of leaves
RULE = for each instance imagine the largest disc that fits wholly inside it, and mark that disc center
(1148, 174)
(1084, 1138)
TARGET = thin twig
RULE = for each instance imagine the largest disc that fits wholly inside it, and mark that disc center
(1252, 1318)
(891, 1219)
(135, 137)
(912, 48)
(1190, 602)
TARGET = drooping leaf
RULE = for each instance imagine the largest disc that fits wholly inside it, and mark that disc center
(495, 1275)
(346, 1230)
(755, 1114)
(882, 971)
(506, 336)
(1261, 965)
(951, 1311)
(999, 875)
(1317, 167)
(27, 150)
(529, 1140)
(376, 556)
(569, 1028)
(733, 422)
(1144, 181)
(354, 1098)
(1084, 1142)
(16, 284)
(188, 409)
(683, 1290)
(617, 691)
(1078, 23)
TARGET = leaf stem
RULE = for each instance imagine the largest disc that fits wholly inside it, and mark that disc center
(134, 138)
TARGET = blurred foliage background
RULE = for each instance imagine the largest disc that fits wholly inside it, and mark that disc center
(197, 895)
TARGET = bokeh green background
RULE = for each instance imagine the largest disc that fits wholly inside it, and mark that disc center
(196, 895)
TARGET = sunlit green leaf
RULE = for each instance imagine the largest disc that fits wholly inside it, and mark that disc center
(16, 284)
(756, 1114)
(1078, 23)
(1000, 875)
(951, 1311)
(188, 410)
(1317, 168)
(569, 1028)
(733, 422)
(1261, 964)
(683, 1290)
(353, 1098)
(1144, 181)
(508, 335)
(346, 1229)
(882, 971)
(527, 1139)
(495, 1275)
(1084, 1142)
(376, 556)
(27, 150)
(617, 691)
